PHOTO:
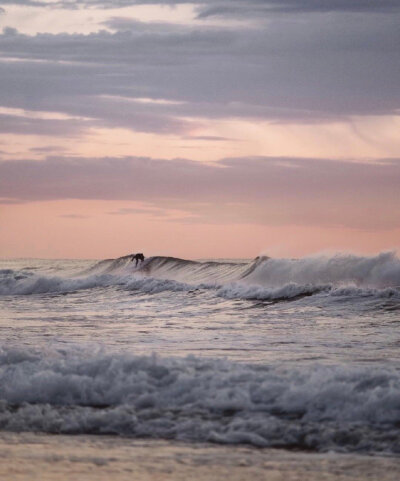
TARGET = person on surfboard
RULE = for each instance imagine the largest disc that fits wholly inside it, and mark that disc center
(137, 258)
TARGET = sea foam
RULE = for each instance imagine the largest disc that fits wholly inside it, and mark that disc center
(315, 407)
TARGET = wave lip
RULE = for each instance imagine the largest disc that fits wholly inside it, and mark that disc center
(315, 407)
(194, 272)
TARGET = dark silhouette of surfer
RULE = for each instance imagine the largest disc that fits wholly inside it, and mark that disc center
(137, 258)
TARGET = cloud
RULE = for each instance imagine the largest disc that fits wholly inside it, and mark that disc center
(212, 138)
(13, 124)
(227, 6)
(263, 8)
(128, 23)
(48, 149)
(242, 190)
(313, 69)
(150, 211)
(27, 3)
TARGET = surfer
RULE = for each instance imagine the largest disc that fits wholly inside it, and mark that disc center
(137, 258)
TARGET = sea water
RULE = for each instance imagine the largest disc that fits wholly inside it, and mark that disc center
(291, 353)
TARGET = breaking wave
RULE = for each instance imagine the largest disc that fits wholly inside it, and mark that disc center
(263, 278)
(311, 407)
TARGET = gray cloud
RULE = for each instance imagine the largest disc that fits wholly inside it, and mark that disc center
(309, 68)
(228, 6)
(303, 71)
(212, 138)
(151, 212)
(257, 8)
(27, 3)
(48, 149)
(13, 124)
(256, 190)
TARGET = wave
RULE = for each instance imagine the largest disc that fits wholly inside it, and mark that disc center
(24, 283)
(266, 278)
(155, 274)
(313, 407)
(195, 272)
(379, 271)
(263, 278)
(294, 291)
(16, 283)
(288, 291)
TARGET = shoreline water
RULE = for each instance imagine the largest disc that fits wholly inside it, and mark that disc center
(30, 456)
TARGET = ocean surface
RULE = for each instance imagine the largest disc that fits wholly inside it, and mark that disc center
(291, 353)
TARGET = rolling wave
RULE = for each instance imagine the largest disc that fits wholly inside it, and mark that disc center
(263, 278)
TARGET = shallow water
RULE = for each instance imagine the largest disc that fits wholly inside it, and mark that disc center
(28, 456)
(288, 353)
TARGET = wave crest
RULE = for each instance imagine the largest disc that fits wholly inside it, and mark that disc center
(263, 278)
(379, 271)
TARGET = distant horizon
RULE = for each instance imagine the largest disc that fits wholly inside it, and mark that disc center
(316, 254)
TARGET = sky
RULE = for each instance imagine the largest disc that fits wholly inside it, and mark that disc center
(222, 128)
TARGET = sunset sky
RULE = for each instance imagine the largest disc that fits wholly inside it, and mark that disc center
(223, 128)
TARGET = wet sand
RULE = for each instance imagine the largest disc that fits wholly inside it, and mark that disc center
(27, 456)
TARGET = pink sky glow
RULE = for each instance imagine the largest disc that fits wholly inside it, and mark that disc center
(178, 129)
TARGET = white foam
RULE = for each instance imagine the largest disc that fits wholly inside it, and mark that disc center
(315, 406)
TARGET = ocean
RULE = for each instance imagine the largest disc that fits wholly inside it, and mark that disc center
(297, 354)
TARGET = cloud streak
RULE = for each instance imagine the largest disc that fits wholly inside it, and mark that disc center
(256, 190)
(270, 6)
(255, 8)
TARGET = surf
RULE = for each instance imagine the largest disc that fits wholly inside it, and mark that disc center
(313, 407)
(263, 278)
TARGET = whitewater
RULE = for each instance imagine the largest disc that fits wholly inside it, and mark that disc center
(286, 353)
